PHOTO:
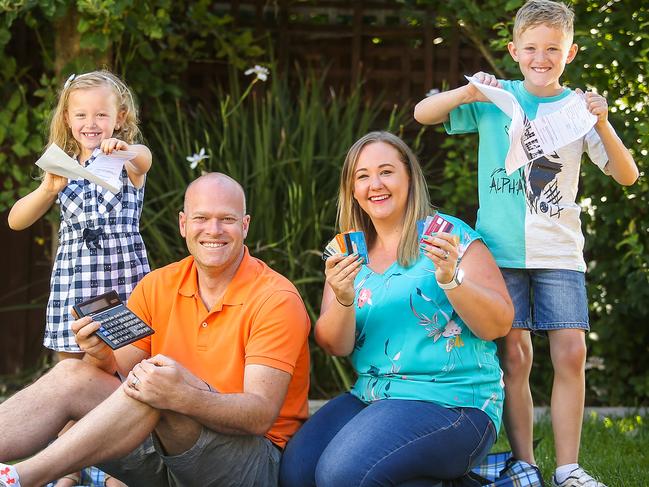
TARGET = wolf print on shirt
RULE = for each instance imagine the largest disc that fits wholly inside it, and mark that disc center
(541, 186)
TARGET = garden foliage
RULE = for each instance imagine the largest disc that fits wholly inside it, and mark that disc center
(285, 141)
(613, 60)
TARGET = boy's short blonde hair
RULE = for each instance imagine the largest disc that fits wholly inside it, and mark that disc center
(546, 12)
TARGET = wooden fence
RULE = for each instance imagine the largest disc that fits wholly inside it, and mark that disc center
(398, 51)
(23, 294)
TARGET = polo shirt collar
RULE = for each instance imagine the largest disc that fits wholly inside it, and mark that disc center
(236, 291)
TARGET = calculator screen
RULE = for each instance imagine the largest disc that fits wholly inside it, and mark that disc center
(95, 305)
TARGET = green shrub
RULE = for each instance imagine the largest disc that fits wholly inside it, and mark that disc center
(286, 145)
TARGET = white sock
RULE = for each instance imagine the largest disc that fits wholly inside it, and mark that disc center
(562, 472)
(9, 476)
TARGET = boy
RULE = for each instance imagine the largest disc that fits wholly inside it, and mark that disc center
(530, 221)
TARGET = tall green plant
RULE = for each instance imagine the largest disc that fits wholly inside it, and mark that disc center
(151, 43)
(285, 144)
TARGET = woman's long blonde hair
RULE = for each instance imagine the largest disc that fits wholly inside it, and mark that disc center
(352, 217)
(60, 133)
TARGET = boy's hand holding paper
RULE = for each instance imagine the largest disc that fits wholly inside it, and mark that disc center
(531, 139)
(348, 243)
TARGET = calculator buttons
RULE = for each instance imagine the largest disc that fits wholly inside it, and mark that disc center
(119, 326)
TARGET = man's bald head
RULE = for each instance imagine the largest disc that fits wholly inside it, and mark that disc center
(214, 181)
(214, 223)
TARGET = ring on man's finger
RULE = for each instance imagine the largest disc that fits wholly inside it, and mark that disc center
(135, 382)
(445, 255)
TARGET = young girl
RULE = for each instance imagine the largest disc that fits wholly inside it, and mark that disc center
(100, 246)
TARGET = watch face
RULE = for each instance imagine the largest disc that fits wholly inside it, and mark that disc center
(459, 276)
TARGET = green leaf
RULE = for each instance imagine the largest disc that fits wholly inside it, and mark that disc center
(20, 150)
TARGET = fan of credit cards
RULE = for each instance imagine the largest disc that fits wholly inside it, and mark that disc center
(434, 224)
(348, 243)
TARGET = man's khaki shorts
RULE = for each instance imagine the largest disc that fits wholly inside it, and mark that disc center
(214, 460)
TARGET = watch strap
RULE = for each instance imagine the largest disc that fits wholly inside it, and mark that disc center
(458, 276)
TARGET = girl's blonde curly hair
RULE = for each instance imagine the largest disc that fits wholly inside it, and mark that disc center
(128, 131)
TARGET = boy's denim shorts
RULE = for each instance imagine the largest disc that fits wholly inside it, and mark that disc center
(547, 299)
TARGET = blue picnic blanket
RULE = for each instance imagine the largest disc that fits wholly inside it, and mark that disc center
(502, 470)
(90, 477)
(496, 470)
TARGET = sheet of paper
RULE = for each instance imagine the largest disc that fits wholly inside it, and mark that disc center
(56, 161)
(531, 139)
(108, 167)
(499, 97)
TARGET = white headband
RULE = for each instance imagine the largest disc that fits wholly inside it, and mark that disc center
(74, 76)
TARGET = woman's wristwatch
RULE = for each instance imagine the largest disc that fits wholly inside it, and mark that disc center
(458, 277)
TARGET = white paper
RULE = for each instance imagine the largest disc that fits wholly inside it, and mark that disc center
(56, 161)
(108, 167)
(531, 139)
(499, 97)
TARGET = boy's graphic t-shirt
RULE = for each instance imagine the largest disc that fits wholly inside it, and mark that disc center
(529, 219)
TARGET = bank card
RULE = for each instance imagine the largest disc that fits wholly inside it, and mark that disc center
(435, 224)
(332, 248)
(347, 243)
(356, 244)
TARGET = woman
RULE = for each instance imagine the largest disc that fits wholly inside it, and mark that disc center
(428, 399)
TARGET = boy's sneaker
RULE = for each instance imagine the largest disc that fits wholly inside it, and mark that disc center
(578, 478)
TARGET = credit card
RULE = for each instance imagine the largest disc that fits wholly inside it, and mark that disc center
(347, 243)
(356, 244)
(435, 224)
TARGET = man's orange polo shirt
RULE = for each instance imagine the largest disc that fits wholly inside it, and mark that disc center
(260, 320)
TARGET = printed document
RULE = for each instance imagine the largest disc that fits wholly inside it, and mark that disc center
(104, 170)
(531, 139)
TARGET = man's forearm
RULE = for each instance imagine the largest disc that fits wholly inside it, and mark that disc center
(235, 414)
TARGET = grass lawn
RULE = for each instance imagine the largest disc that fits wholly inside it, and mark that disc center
(615, 450)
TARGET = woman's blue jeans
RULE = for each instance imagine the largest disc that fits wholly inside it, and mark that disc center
(387, 443)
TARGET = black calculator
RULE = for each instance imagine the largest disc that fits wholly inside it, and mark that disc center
(119, 325)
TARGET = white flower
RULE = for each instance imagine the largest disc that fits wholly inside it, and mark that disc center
(432, 92)
(259, 71)
(196, 158)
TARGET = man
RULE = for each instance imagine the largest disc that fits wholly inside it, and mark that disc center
(210, 399)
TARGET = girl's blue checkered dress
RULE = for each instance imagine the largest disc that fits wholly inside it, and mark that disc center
(100, 248)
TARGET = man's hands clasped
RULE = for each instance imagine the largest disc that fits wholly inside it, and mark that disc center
(159, 382)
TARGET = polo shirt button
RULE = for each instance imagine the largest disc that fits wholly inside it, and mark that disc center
(204, 325)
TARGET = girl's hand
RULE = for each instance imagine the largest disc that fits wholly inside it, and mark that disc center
(442, 249)
(340, 272)
(53, 184)
(484, 78)
(107, 146)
